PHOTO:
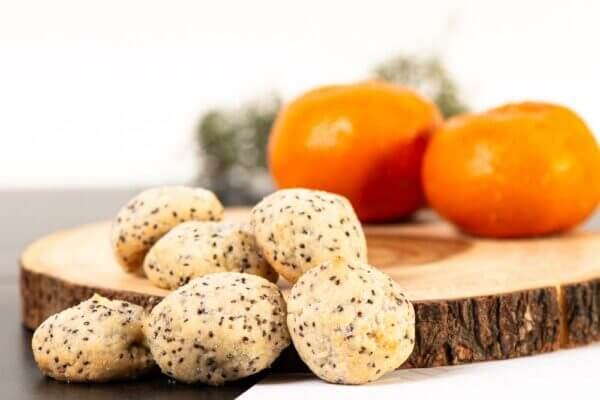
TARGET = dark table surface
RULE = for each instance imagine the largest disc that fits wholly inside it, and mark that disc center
(27, 215)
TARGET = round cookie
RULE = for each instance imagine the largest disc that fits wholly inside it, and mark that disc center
(96, 341)
(298, 229)
(218, 328)
(349, 322)
(154, 212)
(194, 249)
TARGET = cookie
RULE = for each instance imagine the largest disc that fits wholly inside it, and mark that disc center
(154, 212)
(96, 341)
(298, 229)
(194, 249)
(218, 328)
(349, 322)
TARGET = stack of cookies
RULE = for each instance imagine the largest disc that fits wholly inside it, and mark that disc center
(226, 318)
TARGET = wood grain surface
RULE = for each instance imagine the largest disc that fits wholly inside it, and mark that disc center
(475, 299)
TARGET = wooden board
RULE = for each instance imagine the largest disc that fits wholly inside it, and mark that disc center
(475, 299)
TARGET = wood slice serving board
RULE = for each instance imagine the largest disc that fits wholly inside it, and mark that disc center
(475, 299)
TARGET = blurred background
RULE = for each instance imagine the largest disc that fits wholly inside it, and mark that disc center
(129, 94)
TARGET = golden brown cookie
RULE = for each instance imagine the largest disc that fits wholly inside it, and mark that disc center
(98, 340)
(194, 249)
(350, 322)
(153, 213)
(218, 328)
(298, 229)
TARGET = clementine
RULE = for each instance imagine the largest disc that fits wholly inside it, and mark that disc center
(519, 170)
(364, 141)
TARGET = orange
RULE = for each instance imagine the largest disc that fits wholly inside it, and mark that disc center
(519, 170)
(364, 141)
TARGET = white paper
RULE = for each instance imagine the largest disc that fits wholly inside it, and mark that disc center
(565, 374)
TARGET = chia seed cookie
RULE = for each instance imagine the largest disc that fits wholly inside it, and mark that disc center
(298, 229)
(349, 322)
(217, 328)
(96, 341)
(154, 212)
(194, 249)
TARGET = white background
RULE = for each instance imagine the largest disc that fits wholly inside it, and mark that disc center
(108, 93)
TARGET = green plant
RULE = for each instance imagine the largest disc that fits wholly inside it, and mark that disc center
(427, 75)
(233, 146)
